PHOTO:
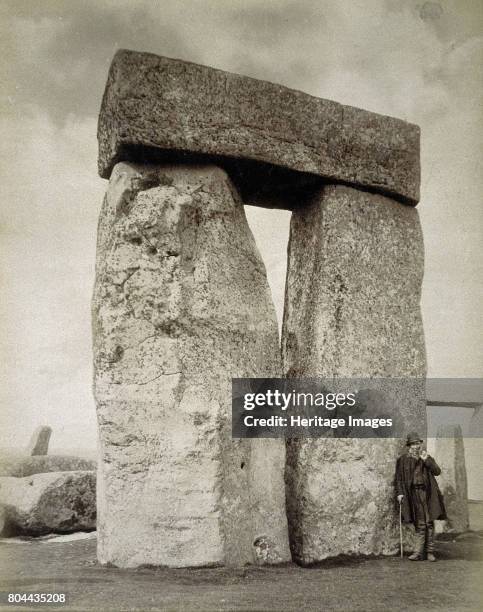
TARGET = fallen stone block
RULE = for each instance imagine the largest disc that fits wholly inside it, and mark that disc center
(39, 443)
(60, 502)
(181, 305)
(19, 465)
(161, 109)
(352, 310)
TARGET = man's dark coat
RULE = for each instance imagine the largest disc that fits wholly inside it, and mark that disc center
(405, 466)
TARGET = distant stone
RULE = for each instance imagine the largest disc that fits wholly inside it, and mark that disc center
(60, 502)
(469, 536)
(181, 305)
(449, 453)
(161, 109)
(39, 442)
(19, 465)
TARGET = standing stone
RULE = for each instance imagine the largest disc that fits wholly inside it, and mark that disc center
(450, 456)
(474, 456)
(39, 442)
(352, 310)
(181, 305)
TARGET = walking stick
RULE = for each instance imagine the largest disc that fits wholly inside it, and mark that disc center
(400, 528)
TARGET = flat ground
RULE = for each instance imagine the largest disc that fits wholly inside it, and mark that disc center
(454, 583)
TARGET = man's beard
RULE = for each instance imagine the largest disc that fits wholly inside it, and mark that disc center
(415, 452)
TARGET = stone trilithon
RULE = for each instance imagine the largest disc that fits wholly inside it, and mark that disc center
(181, 305)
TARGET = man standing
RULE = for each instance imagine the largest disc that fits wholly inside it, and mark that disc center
(418, 493)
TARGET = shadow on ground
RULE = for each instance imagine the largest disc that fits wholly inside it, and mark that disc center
(454, 583)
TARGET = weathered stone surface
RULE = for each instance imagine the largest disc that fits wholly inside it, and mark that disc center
(156, 107)
(352, 310)
(39, 442)
(181, 305)
(450, 455)
(60, 502)
(21, 465)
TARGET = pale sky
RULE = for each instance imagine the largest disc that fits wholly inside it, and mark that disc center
(419, 61)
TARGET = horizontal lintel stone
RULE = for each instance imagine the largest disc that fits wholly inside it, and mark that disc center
(156, 108)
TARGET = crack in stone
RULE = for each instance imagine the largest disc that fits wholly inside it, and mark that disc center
(131, 272)
(155, 378)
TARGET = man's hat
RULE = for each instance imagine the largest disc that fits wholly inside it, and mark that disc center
(412, 438)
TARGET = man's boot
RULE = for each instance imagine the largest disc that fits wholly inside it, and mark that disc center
(418, 554)
(430, 542)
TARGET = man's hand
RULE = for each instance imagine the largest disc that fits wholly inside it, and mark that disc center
(424, 455)
(399, 498)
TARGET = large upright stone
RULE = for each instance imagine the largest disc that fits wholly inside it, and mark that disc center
(450, 455)
(181, 305)
(352, 310)
(269, 136)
